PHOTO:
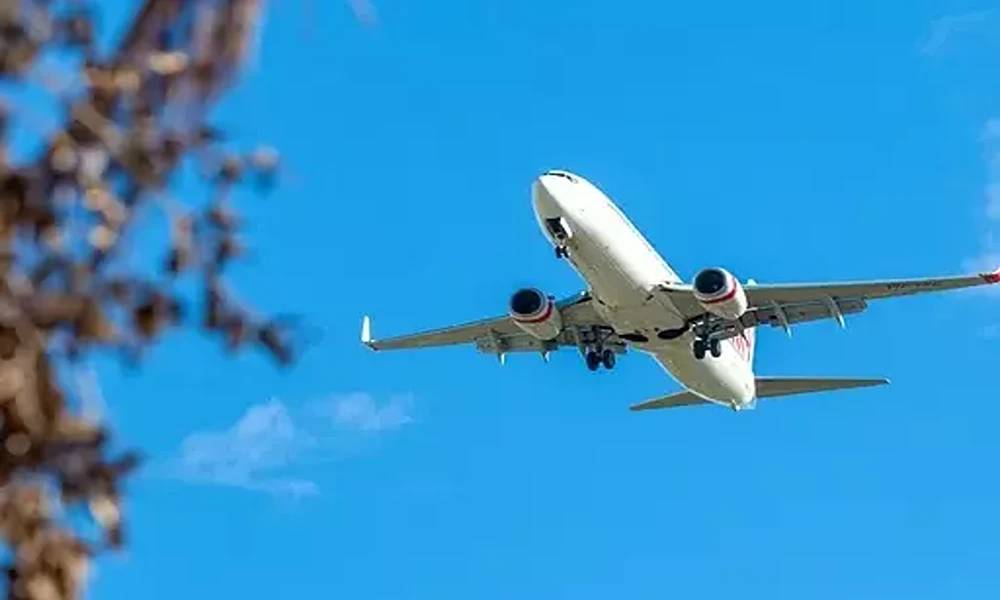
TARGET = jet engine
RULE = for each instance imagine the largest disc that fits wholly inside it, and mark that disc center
(535, 313)
(720, 293)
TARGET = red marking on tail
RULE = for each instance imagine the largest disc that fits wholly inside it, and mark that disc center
(993, 277)
(744, 343)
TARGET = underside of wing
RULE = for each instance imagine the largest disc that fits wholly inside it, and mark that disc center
(444, 336)
(774, 314)
(501, 334)
(783, 293)
(783, 305)
(786, 315)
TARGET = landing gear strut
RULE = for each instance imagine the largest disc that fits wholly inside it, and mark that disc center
(596, 358)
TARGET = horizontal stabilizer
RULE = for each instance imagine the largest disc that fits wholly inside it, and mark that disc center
(767, 387)
(684, 398)
(773, 387)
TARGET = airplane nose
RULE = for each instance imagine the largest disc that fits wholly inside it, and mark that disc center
(557, 193)
(542, 197)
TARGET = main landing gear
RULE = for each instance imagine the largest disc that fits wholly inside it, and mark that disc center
(702, 345)
(561, 252)
(596, 358)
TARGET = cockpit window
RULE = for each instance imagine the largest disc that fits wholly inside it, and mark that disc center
(562, 174)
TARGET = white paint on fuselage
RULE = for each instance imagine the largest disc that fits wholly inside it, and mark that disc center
(621, 268)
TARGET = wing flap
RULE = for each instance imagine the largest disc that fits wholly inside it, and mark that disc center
(774, 387)
(793, 314)
(685, 398)
(802, 312)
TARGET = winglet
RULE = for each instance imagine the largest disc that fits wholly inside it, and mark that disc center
(366, 332)
(993, 277)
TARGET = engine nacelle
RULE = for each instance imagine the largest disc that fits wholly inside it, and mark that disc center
(535, 313)
(720, 293)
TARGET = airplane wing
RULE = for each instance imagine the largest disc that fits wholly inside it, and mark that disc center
(500, 335)
(783, 305)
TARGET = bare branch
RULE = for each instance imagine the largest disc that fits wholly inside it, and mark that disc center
(69, 285)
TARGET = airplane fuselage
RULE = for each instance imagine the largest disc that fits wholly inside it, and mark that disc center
(702, 333)
(622, 269)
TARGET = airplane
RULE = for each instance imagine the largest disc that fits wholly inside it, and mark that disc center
(703, 333)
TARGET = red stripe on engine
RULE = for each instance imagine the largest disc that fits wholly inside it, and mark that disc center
(539, 319)
(728, 296)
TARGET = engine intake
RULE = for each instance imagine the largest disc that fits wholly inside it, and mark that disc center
(720, 293)
(535, 313)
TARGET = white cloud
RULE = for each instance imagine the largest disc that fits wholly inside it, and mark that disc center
(945, 28)
(265, 448)
(358, 411)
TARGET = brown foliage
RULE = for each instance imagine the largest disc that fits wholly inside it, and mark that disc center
(68, 288)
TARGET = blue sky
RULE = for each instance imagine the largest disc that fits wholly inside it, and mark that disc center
(835, 140)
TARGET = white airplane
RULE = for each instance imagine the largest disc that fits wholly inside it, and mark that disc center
(703, 333)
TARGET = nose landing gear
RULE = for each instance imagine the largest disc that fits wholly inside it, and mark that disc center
(559, 229)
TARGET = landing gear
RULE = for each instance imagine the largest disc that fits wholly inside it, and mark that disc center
(702, 342)
(701, 346)
(608, 359)
(591, 343)
(560, 231)
(596, 358)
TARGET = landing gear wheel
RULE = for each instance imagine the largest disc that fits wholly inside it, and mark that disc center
(608, 359)
(561, 252)
(699, 349)
(715, 347)
(593, 361)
